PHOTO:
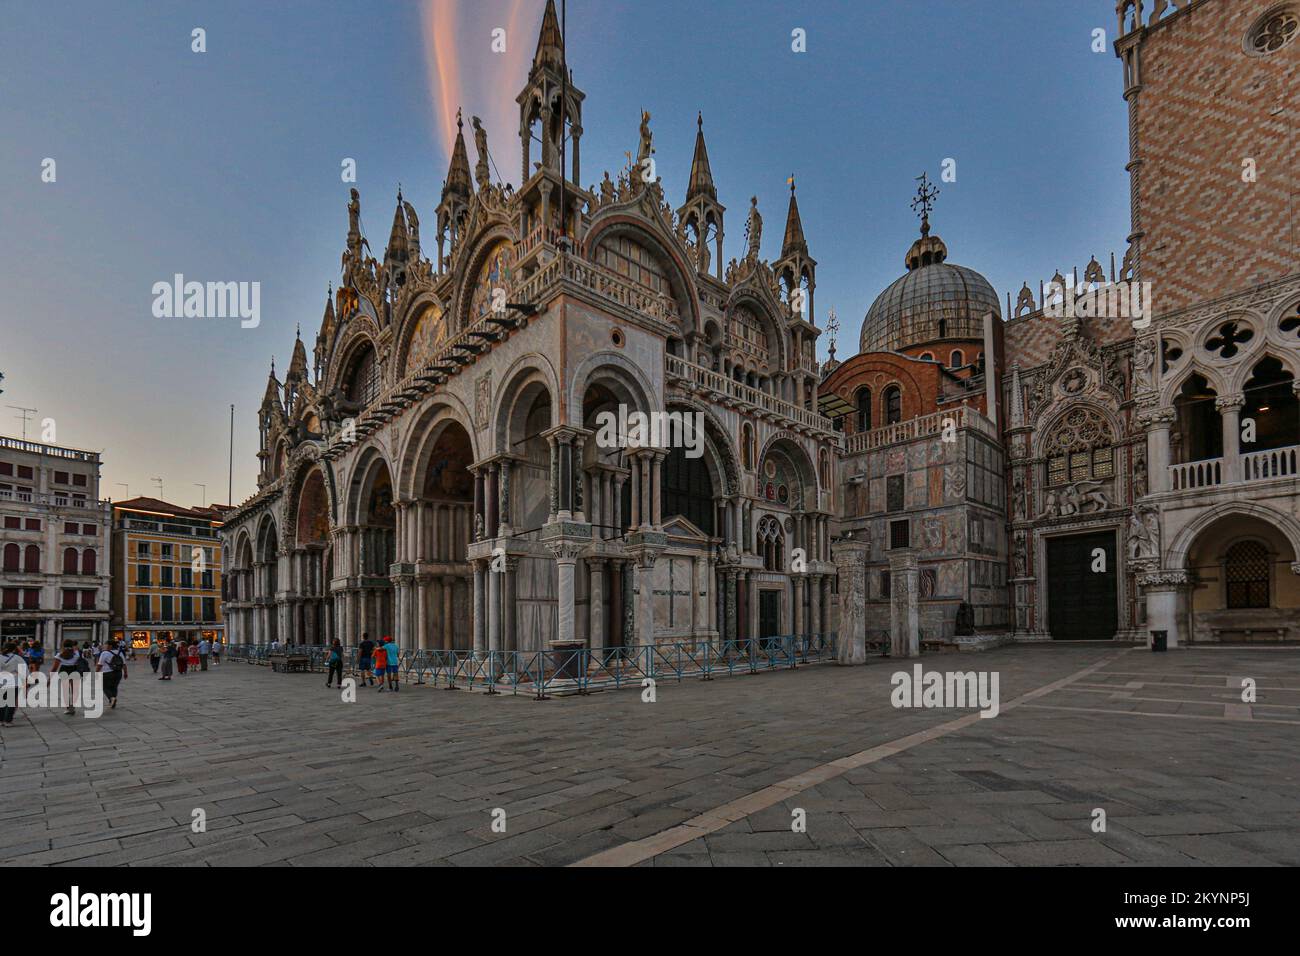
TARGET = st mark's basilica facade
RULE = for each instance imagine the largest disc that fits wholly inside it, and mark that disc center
(431, 469)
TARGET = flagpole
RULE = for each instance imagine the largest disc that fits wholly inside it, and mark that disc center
(230, 473)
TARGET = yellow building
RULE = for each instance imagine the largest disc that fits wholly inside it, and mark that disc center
(166, 572)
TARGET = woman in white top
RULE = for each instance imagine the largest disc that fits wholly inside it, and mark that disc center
(69, 659)
(11, 662)
(112, 664)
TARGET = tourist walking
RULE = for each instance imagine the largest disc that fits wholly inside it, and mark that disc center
(168, 657)
(216, 651)
(69, 661)
(112, 664)
(205, 648)
(11, 662)
(35, 656)
(182, 656)
(193, 651)
(335, 662)
(365, 659)
(390, 648)
(155, 654)
(380, 663)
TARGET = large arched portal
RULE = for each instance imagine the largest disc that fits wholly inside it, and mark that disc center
(444, 527)
(266, 577)
(311, 563)
(375, 518)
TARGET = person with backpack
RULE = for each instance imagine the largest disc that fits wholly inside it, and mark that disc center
(69, 661)
(365, 658)
(112, 664)
(335, 662)
(11, 662)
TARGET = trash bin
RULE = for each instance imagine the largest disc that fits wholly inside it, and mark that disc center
(1159, 640)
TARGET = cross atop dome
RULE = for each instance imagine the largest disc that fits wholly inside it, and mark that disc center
(926, 194)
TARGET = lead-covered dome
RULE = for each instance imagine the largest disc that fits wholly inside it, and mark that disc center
(934, 300)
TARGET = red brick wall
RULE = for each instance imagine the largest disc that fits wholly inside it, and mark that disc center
(1204, 107)
(919, 382)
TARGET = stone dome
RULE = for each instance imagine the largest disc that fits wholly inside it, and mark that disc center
(933, 300)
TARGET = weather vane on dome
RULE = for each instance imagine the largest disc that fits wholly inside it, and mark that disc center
(924, 201)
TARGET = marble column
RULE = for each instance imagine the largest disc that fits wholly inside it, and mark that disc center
(1230, 407)
(494, 608)
(851, 565)
(1158, 423)
(511, 635)
(645, 615)
(565, 560)
(596, 607)
(814, 604)
(479, 624)
(448, 614)
(798, 605)
(421, 613)
(1166, 597)
(904, 603)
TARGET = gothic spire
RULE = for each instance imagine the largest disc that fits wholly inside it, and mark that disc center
(550, 43)
(794, 240)
(458, 180)
(701, 182)
(397, 237)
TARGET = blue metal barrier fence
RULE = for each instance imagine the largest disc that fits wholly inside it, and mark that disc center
(573, 671)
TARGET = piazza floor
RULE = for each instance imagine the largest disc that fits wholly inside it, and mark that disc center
(708, 774)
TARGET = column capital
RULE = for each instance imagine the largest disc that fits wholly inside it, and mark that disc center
(1152, 418)
(1233, 402)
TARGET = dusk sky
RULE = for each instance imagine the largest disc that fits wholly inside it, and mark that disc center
(225, 166)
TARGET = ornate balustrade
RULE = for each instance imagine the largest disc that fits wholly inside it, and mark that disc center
(1269, 464)
(963, 416)
(719, 384)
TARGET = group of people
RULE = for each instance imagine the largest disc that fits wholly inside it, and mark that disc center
(91, 656)
(189, 654)
(379, 659)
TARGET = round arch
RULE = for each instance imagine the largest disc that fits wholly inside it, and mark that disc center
(1176, 556)
(526, 378)
(664, 248)
(799, 461)
(623, 377)
(413, 459)
(372, 465)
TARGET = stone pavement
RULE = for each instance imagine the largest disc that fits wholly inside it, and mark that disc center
(709, 774)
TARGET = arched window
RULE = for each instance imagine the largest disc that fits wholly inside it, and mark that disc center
(688, 491)
(12, 555)
(927, 356)
(771, 544)
(956, 359)
(70, 561)
(88, 561)
(1246, 575)
(362, 381)
(863, 403)
(32, 558)
(1079, 448)
(893, 405)
(747, 445)
(1198, 430)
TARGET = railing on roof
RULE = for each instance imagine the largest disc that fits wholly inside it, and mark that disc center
(723, 385)
(964, 416)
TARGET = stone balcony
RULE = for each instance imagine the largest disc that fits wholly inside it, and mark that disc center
(1253, 467)
(723, 390)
